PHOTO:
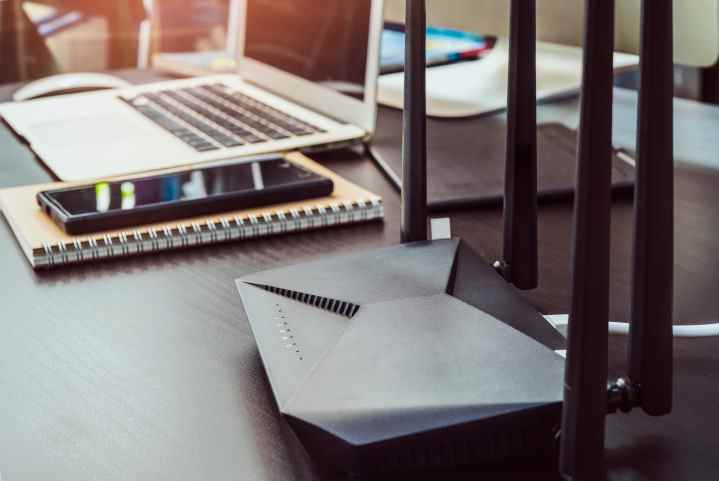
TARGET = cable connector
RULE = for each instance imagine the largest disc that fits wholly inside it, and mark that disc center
(623, 395)
(501, 267)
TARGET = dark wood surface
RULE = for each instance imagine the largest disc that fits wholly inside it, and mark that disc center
(145, 368)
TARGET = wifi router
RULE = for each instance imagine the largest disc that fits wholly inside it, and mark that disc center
(422, 355)
(410, 356)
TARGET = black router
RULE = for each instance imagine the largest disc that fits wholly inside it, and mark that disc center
(421, 354)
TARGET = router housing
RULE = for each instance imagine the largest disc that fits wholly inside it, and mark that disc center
(421, 355)
(416, 355)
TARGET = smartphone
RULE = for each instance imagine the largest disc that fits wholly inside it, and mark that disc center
(159, 198)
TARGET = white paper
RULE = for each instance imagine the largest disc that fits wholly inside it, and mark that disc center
(477, 87)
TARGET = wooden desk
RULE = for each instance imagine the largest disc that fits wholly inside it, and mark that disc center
(145, 368)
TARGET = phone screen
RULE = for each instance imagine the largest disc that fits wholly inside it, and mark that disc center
(189, 185)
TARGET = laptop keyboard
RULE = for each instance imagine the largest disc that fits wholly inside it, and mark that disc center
(211, 117)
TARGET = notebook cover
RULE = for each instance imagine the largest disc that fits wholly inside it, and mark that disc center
(33, 228)
(470, 164)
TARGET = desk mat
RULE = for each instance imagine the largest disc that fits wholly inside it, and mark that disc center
(466, 167)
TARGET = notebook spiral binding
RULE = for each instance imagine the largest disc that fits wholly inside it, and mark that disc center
(211, 231)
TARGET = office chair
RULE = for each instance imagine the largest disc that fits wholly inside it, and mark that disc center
(23, 52)
(23, 42)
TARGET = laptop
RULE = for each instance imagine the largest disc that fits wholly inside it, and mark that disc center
(306, 79)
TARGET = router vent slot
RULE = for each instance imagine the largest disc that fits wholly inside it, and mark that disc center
(343, 308)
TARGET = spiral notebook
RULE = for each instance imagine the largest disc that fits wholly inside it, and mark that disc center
(47, 246)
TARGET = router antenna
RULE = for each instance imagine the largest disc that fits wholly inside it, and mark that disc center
(585, 392)
(519, 265)
(414, 135)
(650, 357)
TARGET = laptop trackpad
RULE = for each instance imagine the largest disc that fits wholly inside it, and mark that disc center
(97, 129)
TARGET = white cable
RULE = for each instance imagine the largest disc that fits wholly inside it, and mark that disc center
(145, 35)
(235, 28)
(622, 328)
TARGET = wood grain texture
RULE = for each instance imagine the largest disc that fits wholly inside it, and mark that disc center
(145, 368)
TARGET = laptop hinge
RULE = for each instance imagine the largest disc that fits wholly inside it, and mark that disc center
(342, 144)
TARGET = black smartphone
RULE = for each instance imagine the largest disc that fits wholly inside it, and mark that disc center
(159, 198)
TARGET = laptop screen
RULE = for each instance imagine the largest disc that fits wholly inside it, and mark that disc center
(321, 41)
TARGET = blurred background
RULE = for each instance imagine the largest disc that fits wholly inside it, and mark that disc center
(42, 37)
(560, 21)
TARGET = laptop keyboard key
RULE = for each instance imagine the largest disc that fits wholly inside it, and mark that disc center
(245, 108)
(253, 139)
(229, 118)
(229, 142)
(205, 147)
(145, 107)
(275, 135)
